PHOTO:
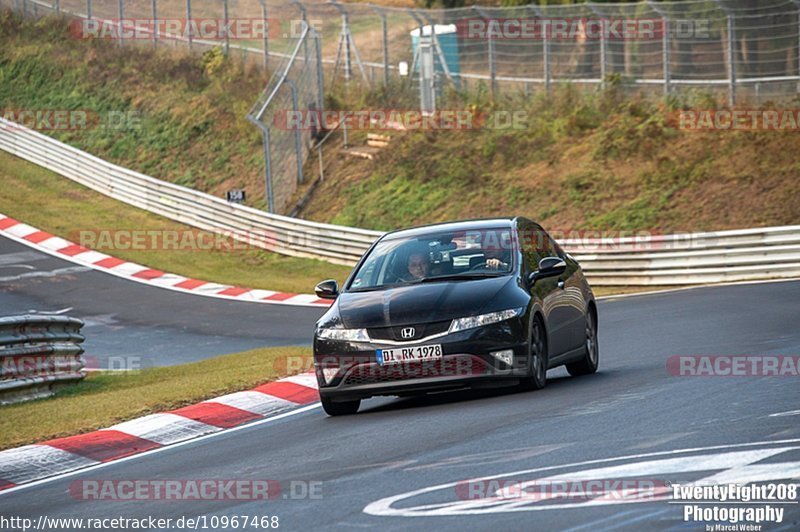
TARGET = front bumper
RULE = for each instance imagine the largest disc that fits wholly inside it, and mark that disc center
(467, 361)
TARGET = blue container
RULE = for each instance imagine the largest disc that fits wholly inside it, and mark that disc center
(448, 40)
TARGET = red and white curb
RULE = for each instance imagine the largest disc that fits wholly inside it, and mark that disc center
(56, 457)
(64, 249)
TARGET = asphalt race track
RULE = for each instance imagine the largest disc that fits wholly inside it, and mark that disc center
(629, 421)
(130, 325)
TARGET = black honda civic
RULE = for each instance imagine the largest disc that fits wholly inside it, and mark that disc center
(470, 304)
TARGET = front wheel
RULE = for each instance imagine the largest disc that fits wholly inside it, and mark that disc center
(537, 360)
(341, 408)
(588, 364)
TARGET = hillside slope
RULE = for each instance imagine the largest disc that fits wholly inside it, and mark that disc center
(597, 161)
(580, 161)
(179, 117)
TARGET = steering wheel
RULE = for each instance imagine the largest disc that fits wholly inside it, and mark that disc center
(477, 266)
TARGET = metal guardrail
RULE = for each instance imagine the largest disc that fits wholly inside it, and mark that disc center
(691, 258)
(282, 234)
(38, 353)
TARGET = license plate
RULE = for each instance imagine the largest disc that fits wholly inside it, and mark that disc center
(408, 354)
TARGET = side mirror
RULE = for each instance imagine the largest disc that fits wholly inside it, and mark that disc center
(328, 289)
(548, 267)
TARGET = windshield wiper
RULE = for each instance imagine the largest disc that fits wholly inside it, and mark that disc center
(452, 277)
(457, 276)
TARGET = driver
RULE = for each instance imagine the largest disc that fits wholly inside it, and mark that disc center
(498, 255)
(497, 259)
(418, 265)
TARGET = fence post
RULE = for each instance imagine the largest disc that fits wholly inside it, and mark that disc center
(89, 9)
(545, 46)
(546, 61)
(298, 148)
(121, 12)
(797, 5)
(603, 55)
(346, 41)
(731, 61)
(667, 54)
(189, 22)
(266, 33)
(348, 66)
(385, 29)
(427, 89)
(490, 43)
(154, 10)
(57, 6)
(603, 44)
(227, 30)
(343, 44)
(420, 25)
(320, 73)
(304, 14)
(666, 51)
(438, 47)
(730, 53)
(268, 172)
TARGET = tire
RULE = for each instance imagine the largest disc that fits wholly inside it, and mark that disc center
(343, 408)
(537, 359)
(591, 358)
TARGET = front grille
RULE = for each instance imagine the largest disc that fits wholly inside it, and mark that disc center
(452, 366)
(421, 330)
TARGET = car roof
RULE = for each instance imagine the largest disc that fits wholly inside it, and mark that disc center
(445, 227)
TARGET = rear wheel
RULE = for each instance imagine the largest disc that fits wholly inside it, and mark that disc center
(339, 408)
(537, 359)
(588, 364)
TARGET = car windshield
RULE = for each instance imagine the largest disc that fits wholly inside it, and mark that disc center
(460, 255)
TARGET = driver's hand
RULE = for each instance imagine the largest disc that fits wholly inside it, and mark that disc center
(495, 264)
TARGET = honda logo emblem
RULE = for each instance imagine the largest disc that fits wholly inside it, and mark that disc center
(407, 332)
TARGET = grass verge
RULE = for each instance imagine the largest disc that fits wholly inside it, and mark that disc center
(72, 208)
(103, 399)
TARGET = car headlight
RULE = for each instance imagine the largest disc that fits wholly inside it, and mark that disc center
(348, 335)
(471, 322)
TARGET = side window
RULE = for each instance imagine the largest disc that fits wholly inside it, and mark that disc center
(531, 239)
(550, 247)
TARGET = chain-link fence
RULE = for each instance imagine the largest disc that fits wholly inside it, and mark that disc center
(739, 49)
(731, 44)
(295, 89)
